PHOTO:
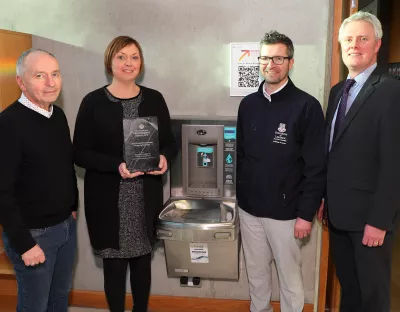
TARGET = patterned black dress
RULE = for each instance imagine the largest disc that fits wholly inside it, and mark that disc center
(133, 237)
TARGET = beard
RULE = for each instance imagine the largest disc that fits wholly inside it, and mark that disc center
(275, 80)
(278, 77)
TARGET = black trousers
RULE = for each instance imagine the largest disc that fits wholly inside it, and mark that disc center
(364, 272)
(115, 282)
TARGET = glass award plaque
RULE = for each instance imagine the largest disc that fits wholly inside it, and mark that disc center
(141, 146)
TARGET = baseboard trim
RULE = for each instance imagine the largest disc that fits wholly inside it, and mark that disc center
(97, 299)
(8, 285)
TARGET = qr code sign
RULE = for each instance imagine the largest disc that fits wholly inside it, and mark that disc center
(248, 76)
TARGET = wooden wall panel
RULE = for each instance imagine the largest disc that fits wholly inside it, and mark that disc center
(5, 265)
(323, 270)
(8, 285)
(394, 42)
(332, 299)
(342, 9)
(12, 44)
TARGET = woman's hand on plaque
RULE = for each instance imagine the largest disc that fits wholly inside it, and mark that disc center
(163, 165)
(126, 174)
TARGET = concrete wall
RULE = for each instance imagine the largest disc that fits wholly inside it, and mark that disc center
(186, 51)
(186, 43)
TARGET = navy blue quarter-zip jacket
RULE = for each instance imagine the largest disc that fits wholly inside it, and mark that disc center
(280, 154)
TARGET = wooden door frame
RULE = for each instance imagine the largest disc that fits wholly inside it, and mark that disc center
(329, 290)
(9, 90)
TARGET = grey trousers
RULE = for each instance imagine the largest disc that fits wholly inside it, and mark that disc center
(265, 240)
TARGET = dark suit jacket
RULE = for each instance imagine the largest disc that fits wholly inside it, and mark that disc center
(363, 181)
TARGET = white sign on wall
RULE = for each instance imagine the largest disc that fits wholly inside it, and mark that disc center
(245, 74)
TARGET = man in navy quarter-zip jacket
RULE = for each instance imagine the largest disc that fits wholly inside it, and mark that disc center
(280, 176)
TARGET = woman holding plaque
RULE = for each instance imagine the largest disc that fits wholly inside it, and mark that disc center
(123, 197)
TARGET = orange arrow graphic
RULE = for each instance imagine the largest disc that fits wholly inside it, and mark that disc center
(244, 54)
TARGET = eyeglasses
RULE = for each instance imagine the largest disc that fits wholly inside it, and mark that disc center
(277, 60)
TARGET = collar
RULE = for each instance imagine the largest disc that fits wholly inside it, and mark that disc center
(283, 92)
(268, 96)
(26, 102)
(362, 77)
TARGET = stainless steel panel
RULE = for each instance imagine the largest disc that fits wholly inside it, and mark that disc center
(223, 260)
(198, 213)
(200, 235)
(209, 223)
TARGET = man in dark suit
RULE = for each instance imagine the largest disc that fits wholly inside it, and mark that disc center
(363, 155)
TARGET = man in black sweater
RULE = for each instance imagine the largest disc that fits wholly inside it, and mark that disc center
(38, 192)
(280, 176)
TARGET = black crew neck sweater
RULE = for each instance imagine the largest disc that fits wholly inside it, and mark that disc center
(37, 178)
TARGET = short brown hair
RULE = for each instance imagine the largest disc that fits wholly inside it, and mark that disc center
(273, 37)
(116, 45)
